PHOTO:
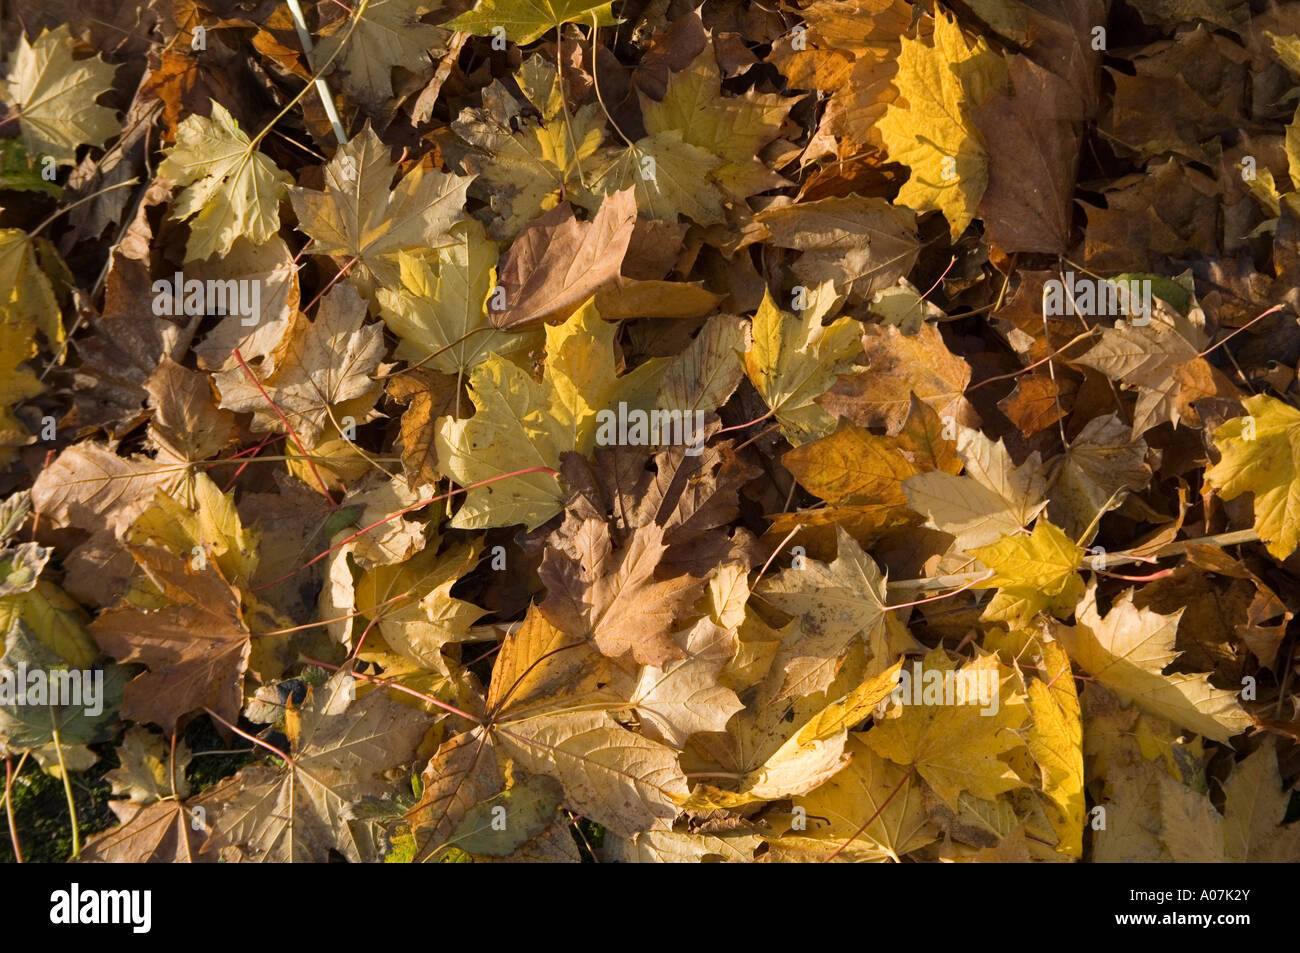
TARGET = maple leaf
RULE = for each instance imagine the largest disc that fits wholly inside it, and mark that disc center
(872, 810)
(526, 20)
(1263, 461)
(440, 310)
(610, 592)
(1128, 650)
(863, 245)
(849, 51)
(161, 832)
(899, 365)
(26, 296)
(360, 215)
(734, 128)
(930, 128)
(684, 697)
(557, 263)
(794, 359)
(1102, 462)
(1251, 828)
(1161, 359)
(524, 165)
(852, 465)
(340, 745)
(993, 498)
(321, 364)
(384, 34)
(834, 605)
(194, 641)
(955, 748)
(428, 617)
(231, 190)
(1055, 740)
(521, 422)
(1031, 573)
(620, 779)
(54, 96)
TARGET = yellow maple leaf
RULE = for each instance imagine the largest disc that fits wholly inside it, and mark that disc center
(359, 216)
(522, 422)
(54, 96)
(17, 383)
(441, 308)
(795, 358)
(232, 191)
(955, 747)
(929, 128)
(1260, 454)
(734, 128)
(1055, 742)
(1031, 573)
(526, 165)
(1128, 651)
(526, 20)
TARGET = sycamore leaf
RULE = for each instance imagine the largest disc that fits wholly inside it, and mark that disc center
(428, 617)
(557, 263)
(834, 605)
(386, 34)
(610, 593)
(871, 789)
(542, 668)
(863, 245)
(1127, 651)
(930, 128)
(684, 698)
(525, 165)
(852, 465)
(441, 308)
(146, 768)
(992, 499)
(360, 215)
(529, 806)
(340, 745)
(898, 365)
(621, 780)
(461, 773)
(195, 643)
(54, 96)
(322, 364)
(528, 20)
(1055, 741)
(734, 128)
(1101, 463)
(27, 298)
(1251, 828)
(794, 360)
(956, 748)
(207, 526)
(232, 191)
(1032, 573)
(522, 422)
(161, 832)
(1160, 359)
(670, 176)
(1260, 454)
